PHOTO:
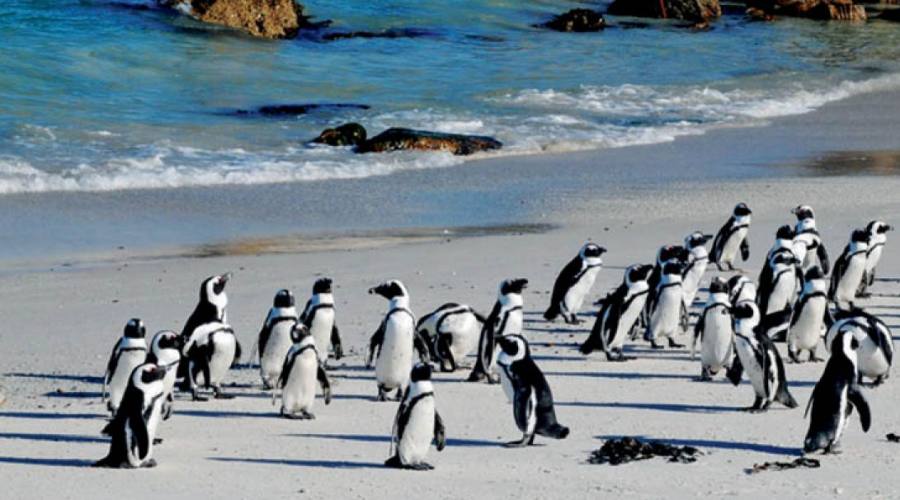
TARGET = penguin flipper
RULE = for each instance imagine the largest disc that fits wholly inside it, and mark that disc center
(736, 370)
(263, 338)
(596, 336)
(745, 248)
(375, 344)
(783, 395)
(336, 342)
(421, 347)
(859, 402)
(440, 433)
(823, 258)
(324, 382)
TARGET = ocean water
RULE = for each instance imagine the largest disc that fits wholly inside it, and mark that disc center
(97, 95)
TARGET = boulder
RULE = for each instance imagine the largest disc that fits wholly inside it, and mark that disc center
(260, 18)
(576, 20)
(688, 10)
(348, 134)
(824, 10)
(396, 139)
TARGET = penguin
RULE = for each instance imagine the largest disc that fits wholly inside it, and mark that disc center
(417, 423)
(731, 238)
(528, 391)
(715, 331)
(877, 238)
(129, 352)
(133, 429)
(618, 313)
(165, 352)
(318, 316)
(274, 339)
(808, 318)
(665, 308)
(876, 349)
(784, 247)
(757, 355)
(849, 269)
(834, 397)
(505, 317)
(666, 254)
(776, 297)
(210, 350)
(741, 289)
(574, 283)
(210, 308)
(302, 368)
(391, 346)
(808, 244)
(451, 332)
(697, 262)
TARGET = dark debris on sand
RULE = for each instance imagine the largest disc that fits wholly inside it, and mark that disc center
(803, 462)
(629, 449)
(894, 438)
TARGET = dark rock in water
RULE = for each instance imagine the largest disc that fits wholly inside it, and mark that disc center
(260, 18)
(141, 7)
(629, 449)
(824, 10)
(689, 10)
(485, 38)
(388, 33)
(395, 139)
(279, 110)
(803, 462)
(348, 134)
(890, 15)
(576, 20)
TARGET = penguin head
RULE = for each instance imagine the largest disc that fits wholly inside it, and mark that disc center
(744, 310)
(591, 250)
(696, 239)
(638, 273)
(514, 346)
(673, 253)
(878, 227)
(673, 268)
(804, 212)
(166, 339)
(785, 232)
(420, 372)
(390, 289)
(742, 210)
(213, 287)
(135, 329)
(859, 236)
(784, 259)
(513, 286)
(845, 344)
(284, 298)
(299, 332)
(322, 285)
(718, 285)
(813, 273)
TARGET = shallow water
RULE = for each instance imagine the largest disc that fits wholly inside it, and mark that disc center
(98, 96)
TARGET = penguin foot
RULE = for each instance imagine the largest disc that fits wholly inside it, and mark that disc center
(222, 395)
(476, 376)
(421, 466)
(394, 462)
(705, 376)
(792, 355)
(149, 464)
(654, 345)
(525, 441)
(619, 357)
(301, 415)
(197, 397)
(674, 345)
(573, 321)
(754, 409)
(815, 359)
(157, 441)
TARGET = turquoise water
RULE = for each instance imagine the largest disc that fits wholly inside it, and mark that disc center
(98, 96)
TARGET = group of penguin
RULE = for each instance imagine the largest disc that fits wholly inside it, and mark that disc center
(736, 329)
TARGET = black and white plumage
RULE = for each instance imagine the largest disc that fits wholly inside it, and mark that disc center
(665, 307)
(875, 354)
(808, 318)
(165, 352)
(417, 424)
(319, 316)
(392, 344)
(528, 391)
(210, 351)
(758, 357)
(776, 296)
(451, 332)
(732, 238)
(715, 331)
(782, 251)
(834, 397)
(668, 254)
(877, 238)
(618, 314)
(506, 317)
(210, 308)
(808, 245)
(133, 428)
(274, 340)
(695, 268)
(128, 352)
(297, 379)
(741, 289)
(849, 269)
(574, 283)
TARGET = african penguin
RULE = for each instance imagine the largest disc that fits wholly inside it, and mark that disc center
(807, 243)
(697, 261)
(129, 352)
(505, 317)
(574, 283)
(675, 254)
(784, 248)
(618, 313)
(451, 332)
(715, 331)
(210, 350)
(165, 352)
(318, 316)
(757, 355)
(848, 271)
(210, 308)
(876, 349)
(528, 391)
(303, 367)
(391, 346)
(834, 397)
(808, 319)
(666, 307)
(274, 339)
(731, 238)
(776, 297)
(133, 428)
(417, 423)
(877, 238)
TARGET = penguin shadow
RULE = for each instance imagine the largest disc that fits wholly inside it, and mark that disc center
(225, 414)
(667, 407)
(622, 375)
(554, 357)
(47, 462)
(51, 416)
(386, 439)
(721, 445)
(324, 464)
(56, 438)
(87, 379)
(73, 394)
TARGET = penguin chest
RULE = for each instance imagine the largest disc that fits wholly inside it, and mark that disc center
(299, 391)
(224, 347)
(871, 359)
(667, 313)
(715, 351)
(756, 373)
(691, 281)
(781, 296)
(464, 331)
(511, 323)
(272, 358)
(873, 259)
(628, 319)
(810, 325)
(128, 361)
(169, 360)
(733, 244)
(575, 295)
(320, 328)
(852, 277)
(506, 381)
(418, 433)
(395, 357)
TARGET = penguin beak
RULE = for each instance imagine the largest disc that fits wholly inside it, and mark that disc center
(225, 277)
(707, 237)
(888, 228)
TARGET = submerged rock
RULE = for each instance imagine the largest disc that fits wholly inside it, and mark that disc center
(890, 15)
(388, 33)
(824, 10)
(688, 10)
(348, 134)
(278, 110)
(260, 18)
(395, 139)
(576, 20)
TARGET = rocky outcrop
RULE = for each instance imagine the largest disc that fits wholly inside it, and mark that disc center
(260, 18)
(688, 10)
(576, 20)
(825, 10)
(398, 139)
(348, 134)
